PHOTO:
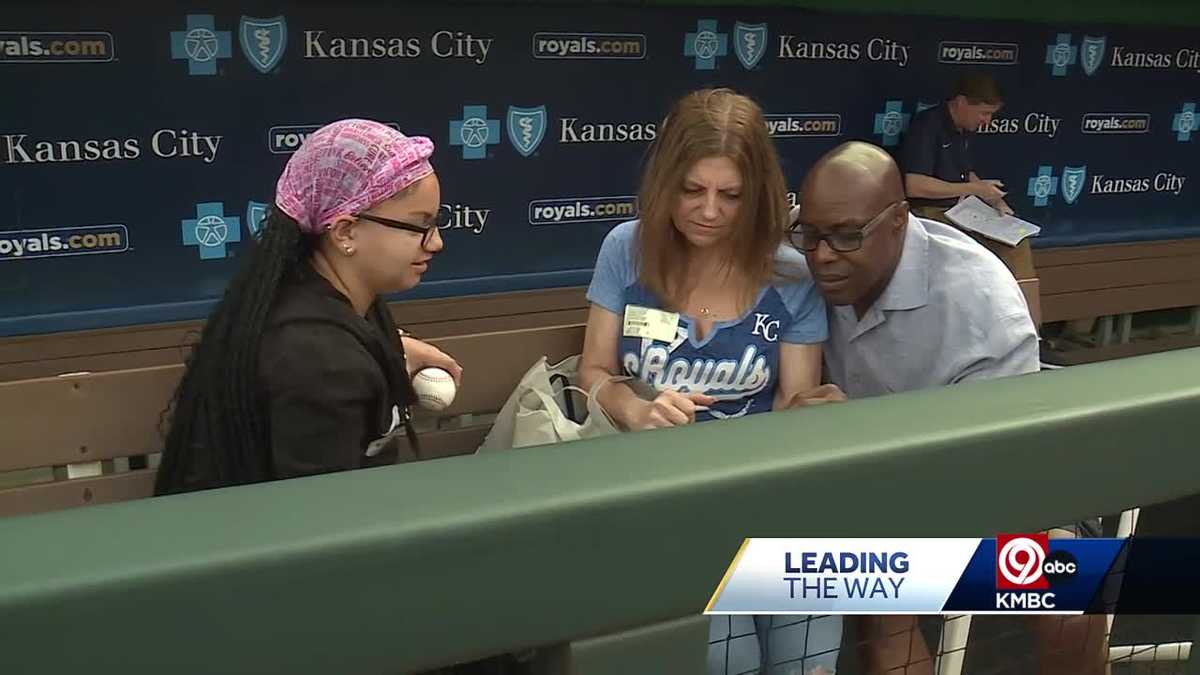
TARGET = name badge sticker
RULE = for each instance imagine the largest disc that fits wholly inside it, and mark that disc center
(655, 324)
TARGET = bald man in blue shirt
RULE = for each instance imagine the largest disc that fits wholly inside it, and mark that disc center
(914, 304)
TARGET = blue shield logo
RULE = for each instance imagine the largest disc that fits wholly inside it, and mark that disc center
(526, 128)
(1185, 123)
(1061, 56)
(201, 45)
(1091, 53)
(263, 41)
(706, 45)
(892, 122)
(211, 230)
(1073, 180)
(1042, 186)
(474, 132)
(749, 43)
(256, 212)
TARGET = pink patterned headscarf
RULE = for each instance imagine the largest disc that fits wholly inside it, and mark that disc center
(346, 167)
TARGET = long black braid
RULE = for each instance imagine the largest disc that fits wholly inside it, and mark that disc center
(217, 396)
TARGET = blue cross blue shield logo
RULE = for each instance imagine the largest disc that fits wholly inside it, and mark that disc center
(706, 44)
(211, 230)
(201, 44)
(256, 212)
(1184, 123)
(1042, 186)
(263, 41)
(749, 43)
(474, 132)
(1091, 53)
(1073, 180)
(526, 128)
(1061, 55)
(892, 122)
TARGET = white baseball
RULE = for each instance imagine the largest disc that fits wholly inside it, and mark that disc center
(435, 388)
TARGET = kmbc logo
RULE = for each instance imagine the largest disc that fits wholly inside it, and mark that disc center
(1024, 562)
(1020, 562)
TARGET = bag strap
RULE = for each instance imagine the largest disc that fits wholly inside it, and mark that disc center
(568, 407)
(600, 383)
(593, 401)
(549, 402)
(568, 402)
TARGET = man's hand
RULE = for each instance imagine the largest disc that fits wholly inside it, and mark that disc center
(988, 190)
(421, 355)
(1004, 208)
(826, 393)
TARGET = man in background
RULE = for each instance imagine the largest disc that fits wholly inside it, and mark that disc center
(939, 165)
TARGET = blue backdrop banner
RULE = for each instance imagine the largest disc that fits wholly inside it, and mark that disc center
(139, 146)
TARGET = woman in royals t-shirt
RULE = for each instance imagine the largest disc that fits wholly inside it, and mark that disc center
(702, 301)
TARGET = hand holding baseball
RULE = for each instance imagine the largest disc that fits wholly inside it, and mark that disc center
(435, 388)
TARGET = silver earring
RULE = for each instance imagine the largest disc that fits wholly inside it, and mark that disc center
(349, 250)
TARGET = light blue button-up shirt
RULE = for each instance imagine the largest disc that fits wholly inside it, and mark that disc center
(951, 313)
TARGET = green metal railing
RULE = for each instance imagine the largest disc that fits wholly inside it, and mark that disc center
(414, 566)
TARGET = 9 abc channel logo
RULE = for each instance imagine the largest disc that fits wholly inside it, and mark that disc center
(1024, 563)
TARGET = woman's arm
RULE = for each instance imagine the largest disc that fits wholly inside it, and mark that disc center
(628, 410)
(419, 354)
(599, 361)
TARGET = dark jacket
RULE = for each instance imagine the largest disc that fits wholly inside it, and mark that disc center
(329, 380)
(332, 387)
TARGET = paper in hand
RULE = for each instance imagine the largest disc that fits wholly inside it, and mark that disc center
(973, 214)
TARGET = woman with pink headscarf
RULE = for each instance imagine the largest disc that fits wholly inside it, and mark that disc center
(300, 369)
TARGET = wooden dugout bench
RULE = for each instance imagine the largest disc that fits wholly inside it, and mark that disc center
(77, 406)
(1117, 284)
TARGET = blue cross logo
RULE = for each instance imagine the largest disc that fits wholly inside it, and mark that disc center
(1061, 54)
(211, 230)
(201, 44)
(474, 132)
(1185, 123)
(1042, 186)
(706, 44)
(892, 122)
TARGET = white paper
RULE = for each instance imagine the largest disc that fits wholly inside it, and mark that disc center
(973, 214)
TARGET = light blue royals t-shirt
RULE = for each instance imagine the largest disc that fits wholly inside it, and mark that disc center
(738, 361)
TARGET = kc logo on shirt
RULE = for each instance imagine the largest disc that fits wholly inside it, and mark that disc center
(763, 326)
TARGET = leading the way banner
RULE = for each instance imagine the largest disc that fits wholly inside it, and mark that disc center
(1010, 574)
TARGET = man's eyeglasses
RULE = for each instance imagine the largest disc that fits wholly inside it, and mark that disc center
(440, 220)
(807, 238)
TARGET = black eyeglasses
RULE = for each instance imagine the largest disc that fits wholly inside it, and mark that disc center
(807, 238)
(440, 220)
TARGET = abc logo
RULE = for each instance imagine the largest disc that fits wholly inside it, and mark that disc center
(1060, 566)
(1023, 562)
